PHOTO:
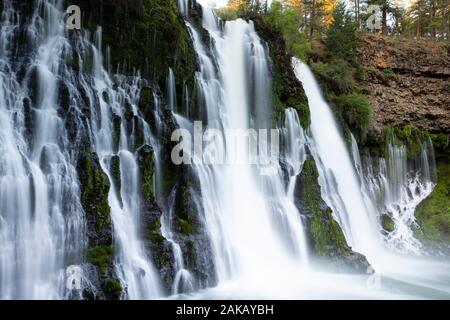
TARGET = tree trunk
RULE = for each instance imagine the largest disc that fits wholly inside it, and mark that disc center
(432, 17)
(313, 19)
(384, 18)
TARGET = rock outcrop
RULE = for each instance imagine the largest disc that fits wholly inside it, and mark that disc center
(408, 82)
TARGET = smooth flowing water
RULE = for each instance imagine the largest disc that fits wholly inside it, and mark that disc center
(238, 195)
(42, 222)
(41, 219)
(53, 79)
(359, 200)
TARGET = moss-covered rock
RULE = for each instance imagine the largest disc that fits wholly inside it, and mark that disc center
(356, 112)
(115, 172)
(145, 35)
(113, 289)
(94, 185)
(409, 136)
(147, 165)
(102, 257)
(325, 237)
(387, 223)
(433, 214)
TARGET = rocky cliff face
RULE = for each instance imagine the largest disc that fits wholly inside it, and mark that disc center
(408, 82)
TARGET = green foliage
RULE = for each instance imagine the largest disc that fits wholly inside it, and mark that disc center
(154, 232)
(145, 35)
(341, 37)
(94, 193)
(191, 254)
(113, 289)
(441, 141)
(102, 257)
(336, 77)
(433, 214)
(387, 223)
(409, 136)
(148, 169)
(186, 227)
(356, 111)
(289, 21)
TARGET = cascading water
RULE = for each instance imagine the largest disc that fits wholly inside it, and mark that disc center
(41, 219)
(42, 223)
(397, 188)
(238, 196)
(57, 102)
(354, 202)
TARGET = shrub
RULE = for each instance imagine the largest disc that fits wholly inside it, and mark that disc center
(336, 77)
(289, 22)
(356, 112)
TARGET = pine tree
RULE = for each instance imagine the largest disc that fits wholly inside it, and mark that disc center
(342, 40)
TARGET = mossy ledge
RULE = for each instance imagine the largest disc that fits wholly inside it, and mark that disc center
(325, 237)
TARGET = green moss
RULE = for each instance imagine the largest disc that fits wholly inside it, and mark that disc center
(158, 248)
(145, 35)
(102, 257)
(387, 223)
(145, 104)
(409, 136)
(113, 289)
(115, 172)
(186, 227)
(117, 127)
(440, 141)
(105, 96)
(326, 236)
(148, 169)
(335, 77)
(154, 232)
(356, 111)
(287, 89)
(433, 214)
(94, 193)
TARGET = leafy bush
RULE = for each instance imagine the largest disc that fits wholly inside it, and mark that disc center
(289, 22)
(336, 77)
(356, 111)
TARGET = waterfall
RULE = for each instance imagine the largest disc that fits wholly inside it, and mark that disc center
(60, 105)
(248, 210)
(397, 187)
(358, 199)
(42, 221)
(132, 264)
(337, 176)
